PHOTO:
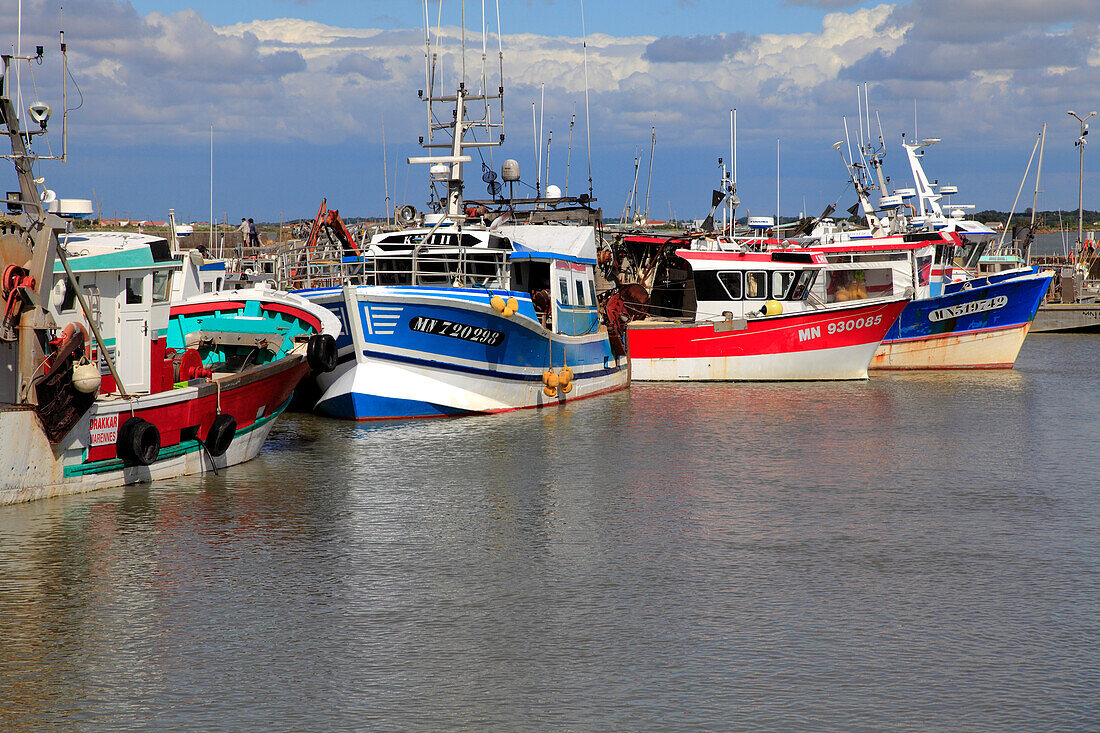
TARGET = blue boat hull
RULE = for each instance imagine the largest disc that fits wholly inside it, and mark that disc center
(436, 352)
(979, 324)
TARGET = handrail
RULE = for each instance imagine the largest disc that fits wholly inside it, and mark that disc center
(421, 265)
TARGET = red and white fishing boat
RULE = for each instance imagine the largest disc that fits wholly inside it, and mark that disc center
(110, 375)
(737, 315)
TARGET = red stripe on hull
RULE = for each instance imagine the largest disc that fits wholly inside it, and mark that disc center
(187, 310)
(801, 332)
(299, 313)
(243, 401)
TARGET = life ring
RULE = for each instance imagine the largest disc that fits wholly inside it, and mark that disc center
(71, 330)
(220, 435)
(321, 353)
(138, 441)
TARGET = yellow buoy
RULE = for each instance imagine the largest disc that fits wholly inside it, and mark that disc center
(513, 305)
(550, 379)
(773, 308)
(566, 388)
(508, 311)
(565, 376)
(497, 302)
(550, 391)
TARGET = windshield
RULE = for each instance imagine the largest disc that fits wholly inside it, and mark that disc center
(802, 286)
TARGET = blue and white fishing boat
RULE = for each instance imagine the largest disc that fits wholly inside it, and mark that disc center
(476, 307)
(956, 320)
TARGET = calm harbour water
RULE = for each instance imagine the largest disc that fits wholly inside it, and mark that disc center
(915, 552)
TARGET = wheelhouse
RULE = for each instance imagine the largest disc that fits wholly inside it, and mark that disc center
(700, 285)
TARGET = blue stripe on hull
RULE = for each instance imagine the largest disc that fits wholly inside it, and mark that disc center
(1024, 295)
(607, 368)
(359, 406)
(519, 356)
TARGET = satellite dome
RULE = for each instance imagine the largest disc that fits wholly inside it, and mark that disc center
(509, 170)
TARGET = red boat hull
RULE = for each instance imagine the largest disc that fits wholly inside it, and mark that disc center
(836, 343)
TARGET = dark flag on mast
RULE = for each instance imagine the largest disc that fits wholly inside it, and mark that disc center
(716, 198)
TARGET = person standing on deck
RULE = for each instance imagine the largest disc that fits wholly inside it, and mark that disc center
(253, 235)
(243, 229)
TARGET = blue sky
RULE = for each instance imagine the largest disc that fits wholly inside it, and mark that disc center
(561, 17)
(297, 90)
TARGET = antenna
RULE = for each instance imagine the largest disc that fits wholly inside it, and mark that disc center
(733, 142)
(587, 119)
(535, 135)
(652, 145)
(542, 118)
(385, 169)
(859, 109)
(777, 188)
(848, 141)
(549, 139)
(19, 53)
(64, 93)
(210, 245)
(569, 155)
(867, 112)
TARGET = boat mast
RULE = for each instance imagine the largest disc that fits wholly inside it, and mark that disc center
(649, 183)
(458, 127)
(1035, 196)
(29, 329)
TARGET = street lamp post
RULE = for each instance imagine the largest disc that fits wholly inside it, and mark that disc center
(1081, 175)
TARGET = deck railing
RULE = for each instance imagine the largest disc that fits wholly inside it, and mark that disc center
(422, 265)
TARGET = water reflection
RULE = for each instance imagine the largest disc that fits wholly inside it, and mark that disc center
(877, 554)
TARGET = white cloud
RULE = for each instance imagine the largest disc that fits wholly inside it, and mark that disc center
(978, 65)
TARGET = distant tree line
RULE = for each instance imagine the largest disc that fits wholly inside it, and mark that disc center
(1043, 219)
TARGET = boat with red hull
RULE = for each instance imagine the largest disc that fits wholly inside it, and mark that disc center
(725, 315)
(115, 368)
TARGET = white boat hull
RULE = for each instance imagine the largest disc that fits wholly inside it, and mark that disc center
(993, 349)
(33, 470)
(844, 362)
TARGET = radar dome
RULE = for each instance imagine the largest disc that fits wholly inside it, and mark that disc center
(553, 192)
(509, 170)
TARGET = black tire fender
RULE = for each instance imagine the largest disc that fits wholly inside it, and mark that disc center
(138, 441)
(221, 434)
(321, 353)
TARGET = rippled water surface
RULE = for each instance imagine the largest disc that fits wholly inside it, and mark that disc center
(916, 552)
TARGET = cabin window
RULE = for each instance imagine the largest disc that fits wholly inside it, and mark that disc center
(162, 282)
(802, 287)
(592, 290)
(781, 284)
(732, 282)
(924, 270)
(133, 291)
(756, 285)
(580, 292)
(563, 287)
(844, 285)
